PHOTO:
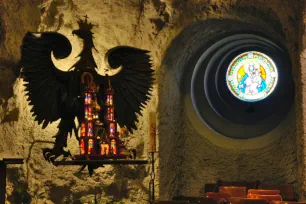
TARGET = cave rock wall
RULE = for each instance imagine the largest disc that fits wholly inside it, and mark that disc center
(186, 160)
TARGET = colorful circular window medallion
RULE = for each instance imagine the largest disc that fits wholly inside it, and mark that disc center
(251, 76)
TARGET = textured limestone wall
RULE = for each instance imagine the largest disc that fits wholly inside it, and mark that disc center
(197, 160)
(301, 103)
(186, 159)
(118, 23)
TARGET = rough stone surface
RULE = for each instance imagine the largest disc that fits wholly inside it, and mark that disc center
(37, 180)
(198, 161)
(301, 128)
(186, 160)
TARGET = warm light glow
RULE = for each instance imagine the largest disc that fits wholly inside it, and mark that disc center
(89, 98)
(86, 98)
(113, 146)
(109, 100)
(90, 146)
(86, 113)
(251, 76)
(110, 113)
(102, 137)
(89, 113)
(90, 129)
(112, 130)
(83, 130)
(104, 149)
(82, 147)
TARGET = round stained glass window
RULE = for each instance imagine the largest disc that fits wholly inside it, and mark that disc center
(251, 76)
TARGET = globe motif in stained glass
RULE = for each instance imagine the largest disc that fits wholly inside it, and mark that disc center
(251, 76)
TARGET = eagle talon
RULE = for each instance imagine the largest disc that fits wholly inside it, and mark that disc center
(52, 159)
(47, 153)
(52, 154)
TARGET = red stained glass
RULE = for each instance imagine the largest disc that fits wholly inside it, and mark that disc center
(82, 147)
(83, 130)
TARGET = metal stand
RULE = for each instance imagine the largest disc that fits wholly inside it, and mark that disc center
(151, 184)
(3, 164)
(100, 162)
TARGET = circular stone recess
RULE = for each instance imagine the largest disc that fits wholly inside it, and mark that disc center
(242, 86)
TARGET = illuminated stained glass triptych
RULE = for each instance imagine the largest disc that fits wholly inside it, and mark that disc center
(251, 76)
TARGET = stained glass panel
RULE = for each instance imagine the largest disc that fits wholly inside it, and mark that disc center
(251, 76)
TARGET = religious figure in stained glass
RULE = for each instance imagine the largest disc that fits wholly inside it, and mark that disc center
(251, 76)
(252, 82)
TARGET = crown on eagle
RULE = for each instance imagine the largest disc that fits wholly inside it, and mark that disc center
(84, 25)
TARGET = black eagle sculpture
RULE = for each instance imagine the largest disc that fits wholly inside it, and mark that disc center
(55, 94)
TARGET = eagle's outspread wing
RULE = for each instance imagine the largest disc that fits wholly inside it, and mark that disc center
(132, 84)
(46, 86)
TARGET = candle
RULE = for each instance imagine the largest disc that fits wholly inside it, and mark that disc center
(152, 138)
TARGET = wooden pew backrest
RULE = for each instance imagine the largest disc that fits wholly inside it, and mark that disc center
(286, 190)
(234, 191)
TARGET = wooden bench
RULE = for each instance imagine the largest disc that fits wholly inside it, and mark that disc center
(214, 187)
(286, 190)
(234, 191)
(268, 198)
(252, 201)
(226, 192)
(263, 192)
(236, 200)
(286, 202)
(219, 197)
